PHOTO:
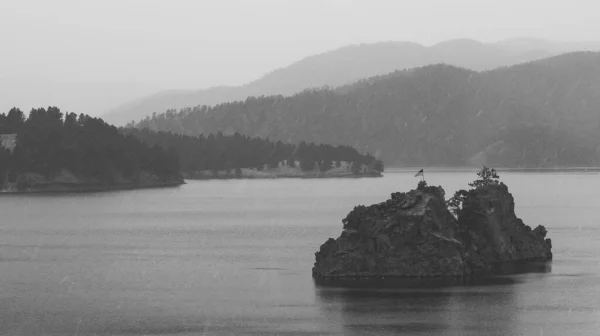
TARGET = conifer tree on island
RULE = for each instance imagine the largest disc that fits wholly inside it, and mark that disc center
(486, 177)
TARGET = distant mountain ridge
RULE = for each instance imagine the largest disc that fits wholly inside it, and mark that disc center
(538, 114)
(348, 64)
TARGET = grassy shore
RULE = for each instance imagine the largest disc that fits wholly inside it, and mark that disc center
(281, 172)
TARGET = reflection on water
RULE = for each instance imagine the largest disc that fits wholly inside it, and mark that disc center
(499, 269)
(458, 311)
(533, 303)
(486, 306)
(411, 282)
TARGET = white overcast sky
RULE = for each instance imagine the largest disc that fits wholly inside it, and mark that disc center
(148, 45)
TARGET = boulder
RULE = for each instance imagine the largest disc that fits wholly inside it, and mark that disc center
(414, 234)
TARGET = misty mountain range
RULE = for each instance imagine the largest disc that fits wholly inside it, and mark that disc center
(541, 113)
(348, 64)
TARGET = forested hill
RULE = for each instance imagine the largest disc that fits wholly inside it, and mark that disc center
(542, 113)
(231, 153)
(51, 148)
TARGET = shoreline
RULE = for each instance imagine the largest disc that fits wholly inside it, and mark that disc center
(67, 188)
(278, 177)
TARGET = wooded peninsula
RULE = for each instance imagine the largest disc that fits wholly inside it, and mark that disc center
(54, 151)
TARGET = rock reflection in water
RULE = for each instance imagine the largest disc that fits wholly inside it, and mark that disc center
(499, 269)
(384, 307)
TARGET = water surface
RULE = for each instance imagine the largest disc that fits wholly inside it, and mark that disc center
(234, 257)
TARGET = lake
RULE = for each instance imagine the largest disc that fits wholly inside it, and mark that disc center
(234, 257)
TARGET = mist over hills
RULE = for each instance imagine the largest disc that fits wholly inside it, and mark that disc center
(537, 114)
(525, 44)
(90, 96)
(349, 64)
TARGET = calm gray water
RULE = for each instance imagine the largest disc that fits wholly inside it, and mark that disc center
(234, 258)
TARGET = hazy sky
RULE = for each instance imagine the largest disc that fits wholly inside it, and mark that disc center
(162, 44)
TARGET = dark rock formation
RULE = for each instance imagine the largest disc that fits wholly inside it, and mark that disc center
(495, 234)
(414, 235)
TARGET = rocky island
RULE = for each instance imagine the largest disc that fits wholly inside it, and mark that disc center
(419, 235)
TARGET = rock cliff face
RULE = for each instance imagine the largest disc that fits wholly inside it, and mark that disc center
(495, 234)
(414, 234)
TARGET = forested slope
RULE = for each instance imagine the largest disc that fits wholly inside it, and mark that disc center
(434, 115)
